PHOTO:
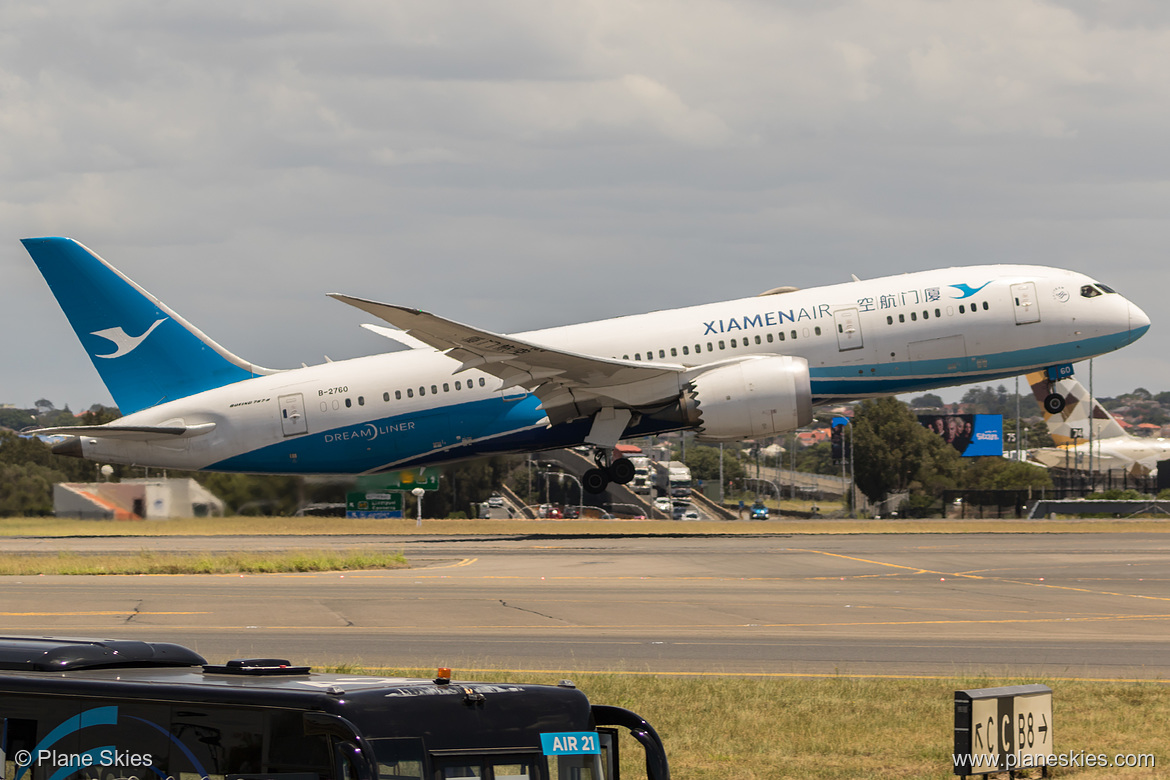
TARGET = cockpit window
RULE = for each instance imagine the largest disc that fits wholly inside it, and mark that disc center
(1106, 288)
(1089, 291)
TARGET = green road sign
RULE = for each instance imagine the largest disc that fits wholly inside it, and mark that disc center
(407, 479)
(373, 505)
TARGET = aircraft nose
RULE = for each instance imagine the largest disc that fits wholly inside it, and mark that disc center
(1139, 322)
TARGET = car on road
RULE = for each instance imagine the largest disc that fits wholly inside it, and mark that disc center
(663, 504)
(759, 511)
(495, 501)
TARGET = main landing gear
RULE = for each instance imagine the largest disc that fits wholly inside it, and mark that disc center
(620, 471)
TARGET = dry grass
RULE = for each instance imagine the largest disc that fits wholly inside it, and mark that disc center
(147, 562)
(328, 526)
(762, 728)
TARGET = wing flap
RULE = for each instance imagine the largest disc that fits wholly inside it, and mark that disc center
(568, 384)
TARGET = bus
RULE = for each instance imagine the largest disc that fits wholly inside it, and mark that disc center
(117, 709)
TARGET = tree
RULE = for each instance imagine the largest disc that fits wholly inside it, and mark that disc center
(893, 453)
(17, 419)
(928, 401)
(703, 461)
(991, 473)
(817, 459)
(100, 415)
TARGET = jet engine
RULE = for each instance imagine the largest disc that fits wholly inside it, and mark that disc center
(758, 396)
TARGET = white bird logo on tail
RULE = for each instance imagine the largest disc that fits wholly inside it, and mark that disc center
(124, 341)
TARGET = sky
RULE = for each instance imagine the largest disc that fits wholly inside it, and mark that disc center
(522, 164)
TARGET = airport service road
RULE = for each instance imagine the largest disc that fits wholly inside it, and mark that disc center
(1091, 605)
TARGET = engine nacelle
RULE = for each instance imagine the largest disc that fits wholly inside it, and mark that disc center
(755, 397)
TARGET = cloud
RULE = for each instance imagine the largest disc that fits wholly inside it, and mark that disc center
(485, 158)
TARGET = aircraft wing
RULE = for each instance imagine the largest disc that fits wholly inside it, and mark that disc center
(568, 384)
(127, 432)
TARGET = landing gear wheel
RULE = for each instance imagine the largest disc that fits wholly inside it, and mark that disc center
(595, 481)
(1054, 403)
(621, 471)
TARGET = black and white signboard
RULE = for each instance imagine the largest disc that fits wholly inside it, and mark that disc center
(1002, 729)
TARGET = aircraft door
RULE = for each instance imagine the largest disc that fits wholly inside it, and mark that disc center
(848, 329)
(292, 415)
(1024, 300)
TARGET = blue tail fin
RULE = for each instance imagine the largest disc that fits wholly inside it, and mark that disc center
(145, 353)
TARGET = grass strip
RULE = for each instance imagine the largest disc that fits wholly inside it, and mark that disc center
(831, 728)
(50, 527)
(147, 562)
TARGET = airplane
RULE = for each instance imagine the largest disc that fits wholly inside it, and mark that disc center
(745, 368)
(1112, 447)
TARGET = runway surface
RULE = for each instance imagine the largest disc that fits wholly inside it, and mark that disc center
(1064, 605)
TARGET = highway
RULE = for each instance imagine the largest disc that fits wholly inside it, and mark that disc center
(1067, 605)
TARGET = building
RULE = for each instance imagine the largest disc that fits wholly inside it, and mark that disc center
(135, 499)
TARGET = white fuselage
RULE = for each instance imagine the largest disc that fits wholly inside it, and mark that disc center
(861, 339)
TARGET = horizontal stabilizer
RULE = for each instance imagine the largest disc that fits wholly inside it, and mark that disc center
(128, 432)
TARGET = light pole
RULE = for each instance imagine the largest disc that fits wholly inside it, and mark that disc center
(418, 493)
(580, 487)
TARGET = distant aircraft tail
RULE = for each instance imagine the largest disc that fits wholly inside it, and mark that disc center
(145, 353)
(1080, 410)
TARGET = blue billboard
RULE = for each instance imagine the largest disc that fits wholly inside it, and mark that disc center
(971, 434)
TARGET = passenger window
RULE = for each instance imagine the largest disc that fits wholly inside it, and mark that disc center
(495, 768)
(901, 318)
(481, 382)
(722, 345)
(937, 313)
(781, 334)
(914, 316)
(662, 353)
(962, 309)
(457, 385)
(674, 351)
(434, 389)
(794, 334)
(985, 306)
(926, 315)
(397, 395)
(817, 330)
(386, 397)
(732, 344)
(348, 403)
(361, 400)
(446, 388)
(399, 758)
(709, 347)
(769, 336)
(422, 391)
(686, 351)
(409, 393)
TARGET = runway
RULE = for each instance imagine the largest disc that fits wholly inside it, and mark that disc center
(1061, 605)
